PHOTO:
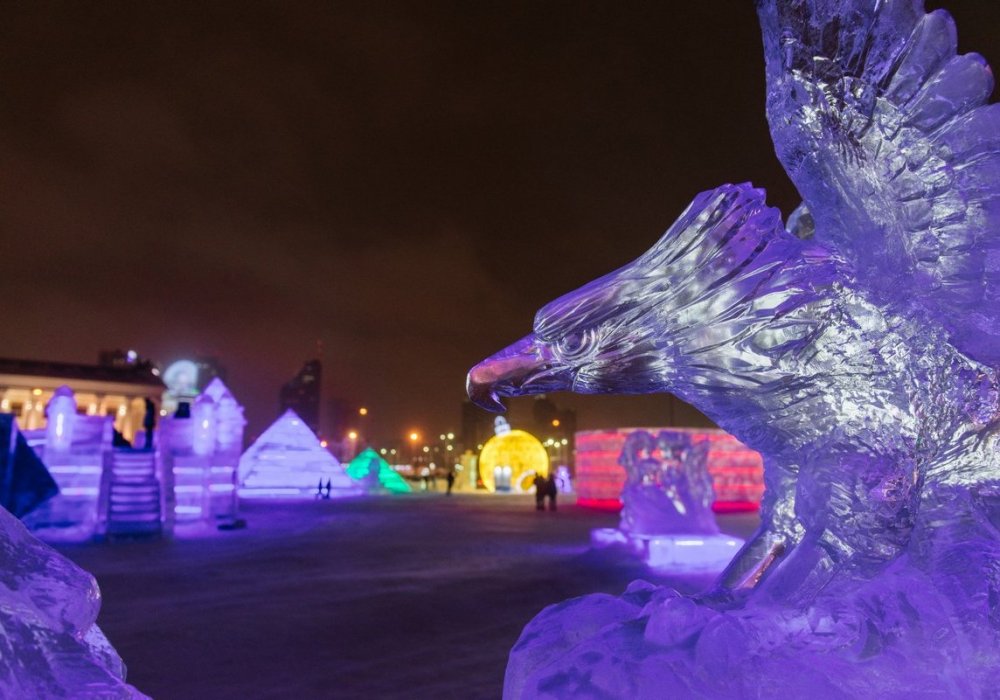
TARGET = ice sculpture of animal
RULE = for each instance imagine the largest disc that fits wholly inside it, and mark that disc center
(668, 489)
(856, 349)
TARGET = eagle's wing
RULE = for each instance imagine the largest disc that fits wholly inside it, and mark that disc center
(886, 133)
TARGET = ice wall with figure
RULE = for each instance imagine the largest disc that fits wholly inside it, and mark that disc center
(856, 348)
(50, 644)
(737, 471)
(288, 460)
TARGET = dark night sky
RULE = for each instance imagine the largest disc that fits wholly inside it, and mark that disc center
(407, 181)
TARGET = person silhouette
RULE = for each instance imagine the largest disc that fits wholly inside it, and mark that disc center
(551, 492)
(319, 489)
(149, 422)
(329, 488)
(541, 487)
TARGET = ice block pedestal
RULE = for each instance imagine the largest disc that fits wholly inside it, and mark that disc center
(694, 554)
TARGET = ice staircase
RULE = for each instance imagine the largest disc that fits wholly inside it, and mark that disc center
(133, 494)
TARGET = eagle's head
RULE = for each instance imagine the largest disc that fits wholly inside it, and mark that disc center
(696, 305)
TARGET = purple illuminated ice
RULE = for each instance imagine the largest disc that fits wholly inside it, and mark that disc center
(667, 486)
(856, 349)
(50, 646)
(667, 501)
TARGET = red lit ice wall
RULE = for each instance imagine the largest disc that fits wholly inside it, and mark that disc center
(737, 471)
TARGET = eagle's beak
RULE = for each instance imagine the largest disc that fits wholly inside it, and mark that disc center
(519, 369)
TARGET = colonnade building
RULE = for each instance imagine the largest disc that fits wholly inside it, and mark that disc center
(118, 390)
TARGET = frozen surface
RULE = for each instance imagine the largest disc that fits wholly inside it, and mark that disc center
(50, 646)
(417, 597)
(857, 353)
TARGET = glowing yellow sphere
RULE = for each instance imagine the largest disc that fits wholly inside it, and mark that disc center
(518, 450)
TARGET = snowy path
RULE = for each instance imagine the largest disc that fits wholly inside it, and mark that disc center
(411, 597)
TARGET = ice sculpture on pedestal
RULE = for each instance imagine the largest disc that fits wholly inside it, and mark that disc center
(288, 460)
(856, 350)
(667, 505)
(50, 646)
(564, 480)
(667, 488)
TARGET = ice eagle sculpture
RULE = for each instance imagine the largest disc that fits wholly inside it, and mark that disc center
(856, 347)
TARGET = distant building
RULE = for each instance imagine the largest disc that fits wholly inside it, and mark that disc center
(302, 394)
(117, 389)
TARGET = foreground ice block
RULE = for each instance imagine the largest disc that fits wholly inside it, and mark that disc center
(855, 348)
(50, 646)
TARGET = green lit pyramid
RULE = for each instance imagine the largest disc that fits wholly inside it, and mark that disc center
(369, 468)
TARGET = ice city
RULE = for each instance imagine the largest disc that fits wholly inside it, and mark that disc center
(761, 460)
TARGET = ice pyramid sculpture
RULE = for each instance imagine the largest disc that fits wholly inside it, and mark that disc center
(288, 460)
(50, 646)
(857, 348)
(375, 474)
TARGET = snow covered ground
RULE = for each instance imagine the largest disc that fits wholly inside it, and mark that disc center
(410, 597)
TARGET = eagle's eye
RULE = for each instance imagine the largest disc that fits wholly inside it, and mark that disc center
(576, 345)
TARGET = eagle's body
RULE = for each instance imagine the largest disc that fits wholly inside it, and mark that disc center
(857, 352)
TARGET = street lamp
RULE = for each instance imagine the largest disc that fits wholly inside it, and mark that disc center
(353, 437)
(414, 436)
